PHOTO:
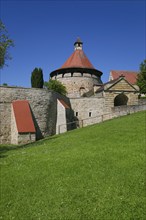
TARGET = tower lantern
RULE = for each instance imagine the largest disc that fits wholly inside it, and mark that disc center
(78, 44)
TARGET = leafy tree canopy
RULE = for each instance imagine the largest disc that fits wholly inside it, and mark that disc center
(37, 80)
(5, 44)
(56, 86)
(141, 79)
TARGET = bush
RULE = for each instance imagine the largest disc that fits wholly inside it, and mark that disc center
(56, 86)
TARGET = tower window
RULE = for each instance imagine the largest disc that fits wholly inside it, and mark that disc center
(90, 114)
(76, 114)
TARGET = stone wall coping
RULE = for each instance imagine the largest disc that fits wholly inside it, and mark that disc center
(87, 98)
(19, 87)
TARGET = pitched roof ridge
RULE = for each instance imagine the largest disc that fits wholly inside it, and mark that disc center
(125, 71)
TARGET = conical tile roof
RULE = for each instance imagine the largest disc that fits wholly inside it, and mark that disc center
(78, 59)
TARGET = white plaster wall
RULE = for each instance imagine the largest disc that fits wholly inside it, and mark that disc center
(14, 131)
(61, 126)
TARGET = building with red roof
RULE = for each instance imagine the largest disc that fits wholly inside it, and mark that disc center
(77, 73)
(22, 124)
(130, 76)
(31, 114)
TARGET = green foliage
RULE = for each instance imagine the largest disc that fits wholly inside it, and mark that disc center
(56, 86)
(141, 80)
(4, 84)
(37, 80)
(5, 44)
(94, 173)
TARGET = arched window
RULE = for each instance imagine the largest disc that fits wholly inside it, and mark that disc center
(120, 99)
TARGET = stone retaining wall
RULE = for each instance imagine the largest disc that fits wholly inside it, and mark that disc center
(114, 113)
(87, 107)
(43, 104)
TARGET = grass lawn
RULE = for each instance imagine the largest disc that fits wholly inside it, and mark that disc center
(94, 173)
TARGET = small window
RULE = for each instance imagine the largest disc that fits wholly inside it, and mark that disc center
(76, 113)
(89, 114)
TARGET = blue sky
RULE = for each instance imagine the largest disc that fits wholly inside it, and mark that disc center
(113, 34)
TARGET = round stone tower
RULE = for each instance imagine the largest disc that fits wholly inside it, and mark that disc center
(77, 73)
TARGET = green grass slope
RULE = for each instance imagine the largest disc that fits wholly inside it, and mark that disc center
(94, 173)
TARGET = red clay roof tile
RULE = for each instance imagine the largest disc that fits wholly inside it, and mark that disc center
(78, 59)
(130, 76)
(23, 116)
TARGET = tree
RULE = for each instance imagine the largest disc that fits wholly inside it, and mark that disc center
(56, 86)
(5, 44)
(4, 84)
(37, 80)
(141, 79)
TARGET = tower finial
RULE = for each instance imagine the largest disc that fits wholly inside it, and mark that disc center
(78, 44)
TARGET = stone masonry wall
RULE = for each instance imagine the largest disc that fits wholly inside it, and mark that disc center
(43, 108)
(77, 84)
(5, 122)
(109, 99)
(25, 138)
(43, 104)
(87, 108)
(120, 87)
(114, 113)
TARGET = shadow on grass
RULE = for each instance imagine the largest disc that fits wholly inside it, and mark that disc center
(5, 148)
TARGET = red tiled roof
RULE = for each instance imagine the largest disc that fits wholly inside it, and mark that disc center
(23, 116)
(130, 76)
(78, 59)
(112, 82)
(63, 103)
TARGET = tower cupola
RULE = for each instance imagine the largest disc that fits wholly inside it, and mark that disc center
(78, 44)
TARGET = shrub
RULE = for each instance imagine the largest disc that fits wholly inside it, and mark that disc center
(56, 86)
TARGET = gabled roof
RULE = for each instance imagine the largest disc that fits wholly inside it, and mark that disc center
(23, 116)
(130, 76)
(78, 59)
(110, 84)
